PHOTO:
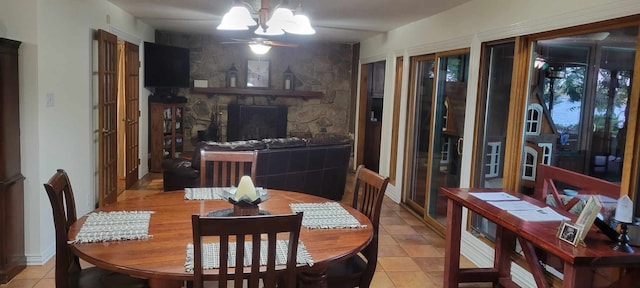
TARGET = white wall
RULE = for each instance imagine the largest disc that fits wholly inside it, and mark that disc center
(467, 26)
(56, 58)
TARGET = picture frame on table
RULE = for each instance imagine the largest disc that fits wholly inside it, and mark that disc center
(588, 216)
(258, 73)
(569, 232)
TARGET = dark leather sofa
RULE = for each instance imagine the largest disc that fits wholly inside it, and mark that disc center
(316, 166)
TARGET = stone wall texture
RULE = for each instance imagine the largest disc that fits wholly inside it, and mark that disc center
(318, 66)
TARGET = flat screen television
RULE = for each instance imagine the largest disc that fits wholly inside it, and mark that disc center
(165, 66)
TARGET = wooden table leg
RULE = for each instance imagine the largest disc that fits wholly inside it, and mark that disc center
(576, 276)
(504, 247)
(316, 279)
(452, 248)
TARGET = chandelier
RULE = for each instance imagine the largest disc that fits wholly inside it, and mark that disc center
(283, 19)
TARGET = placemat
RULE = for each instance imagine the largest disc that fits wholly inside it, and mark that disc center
(211, 254)
(327, 215)
(114, 226)
(205, 193)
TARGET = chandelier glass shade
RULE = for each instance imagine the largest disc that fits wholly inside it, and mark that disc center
(259, 49)
(280, 21)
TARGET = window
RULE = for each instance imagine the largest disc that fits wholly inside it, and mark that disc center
(547, 149)
(493, 159)
(529, 166)
(534, 112)
(445, 150)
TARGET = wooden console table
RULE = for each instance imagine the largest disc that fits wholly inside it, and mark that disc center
(578, 261)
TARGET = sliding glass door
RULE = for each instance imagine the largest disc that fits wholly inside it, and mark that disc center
(448, 130)
(419, 127)
(435, 130)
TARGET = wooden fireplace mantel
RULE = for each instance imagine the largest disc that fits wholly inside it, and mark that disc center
(258, 92)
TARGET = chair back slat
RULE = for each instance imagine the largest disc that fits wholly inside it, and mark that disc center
(251, 229)
(225, 168)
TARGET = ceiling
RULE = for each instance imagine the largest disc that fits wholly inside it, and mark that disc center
(340, 21)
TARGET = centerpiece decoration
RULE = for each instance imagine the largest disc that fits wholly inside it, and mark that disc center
(246, 197)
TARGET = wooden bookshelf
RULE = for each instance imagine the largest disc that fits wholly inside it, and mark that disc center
(257, 92)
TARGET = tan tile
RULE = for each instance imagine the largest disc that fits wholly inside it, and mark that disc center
(429, 264)
(391, 251)
(398, 264)
(404, 279)
(399, 229)
(392, 220)
(381, 280)
(437, 277)
(20, 283)
(412, 220)
(46, 283)
(466, 263)
(422, 250)
(386, 240)
(33, 272)
(416, 239)
(382, 231)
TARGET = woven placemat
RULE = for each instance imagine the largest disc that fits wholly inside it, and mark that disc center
(327, 215)
(205, 193)
(114, 226)
(211, 254)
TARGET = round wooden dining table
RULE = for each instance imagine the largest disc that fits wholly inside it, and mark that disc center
(161, 258)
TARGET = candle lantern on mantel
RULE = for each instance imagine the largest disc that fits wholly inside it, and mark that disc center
(288, 79)
(232, 77)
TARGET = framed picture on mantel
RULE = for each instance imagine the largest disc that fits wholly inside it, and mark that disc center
(258, 73)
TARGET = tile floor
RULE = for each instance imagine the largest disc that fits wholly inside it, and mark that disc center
(410, 253)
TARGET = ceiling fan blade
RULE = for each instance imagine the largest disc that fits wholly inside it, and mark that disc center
(280, 44)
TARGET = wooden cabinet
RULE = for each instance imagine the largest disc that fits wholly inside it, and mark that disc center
(12, 255)
(166, 130)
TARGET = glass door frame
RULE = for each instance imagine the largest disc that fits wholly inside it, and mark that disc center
(410, 131)
(410, 124)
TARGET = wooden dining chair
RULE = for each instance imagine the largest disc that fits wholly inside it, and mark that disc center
(248, 229)
(357, 271)
(225, 168)
(68, 270)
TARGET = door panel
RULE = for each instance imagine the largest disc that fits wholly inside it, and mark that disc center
(419, 127)
(107, 123)
(132, 68)
(448, 130)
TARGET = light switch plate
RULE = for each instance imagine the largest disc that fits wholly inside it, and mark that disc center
(51, 99)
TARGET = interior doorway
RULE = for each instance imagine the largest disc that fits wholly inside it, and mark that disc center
(371, 100)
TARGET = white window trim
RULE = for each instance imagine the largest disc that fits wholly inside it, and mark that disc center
(547, 151)
(529, 122)
(529, 151)
(493, 157)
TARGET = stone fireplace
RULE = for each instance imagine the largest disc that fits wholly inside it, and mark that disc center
(246, 122)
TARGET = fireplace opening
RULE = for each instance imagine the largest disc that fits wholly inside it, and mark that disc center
(247, 122)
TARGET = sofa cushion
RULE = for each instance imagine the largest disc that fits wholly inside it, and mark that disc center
(278, 143)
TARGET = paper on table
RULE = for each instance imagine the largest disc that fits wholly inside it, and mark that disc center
(494, 196)
(513, 205)
(539, 215)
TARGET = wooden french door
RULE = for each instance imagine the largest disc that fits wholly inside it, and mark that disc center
(132, 141)
(107, 118)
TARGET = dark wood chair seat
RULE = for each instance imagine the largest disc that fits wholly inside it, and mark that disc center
(357, 271)
(69, 274)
